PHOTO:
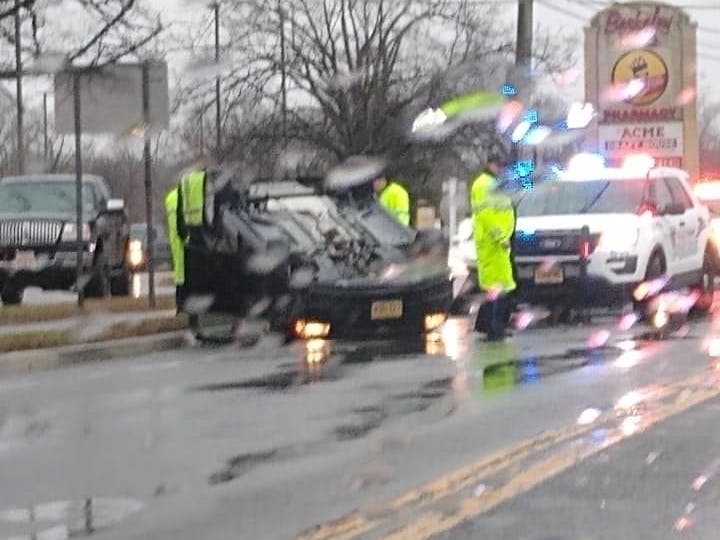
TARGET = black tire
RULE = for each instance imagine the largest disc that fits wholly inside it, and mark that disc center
(706, 287)
(99, 285)
(655, 269)
(120, 284)
(12, 296)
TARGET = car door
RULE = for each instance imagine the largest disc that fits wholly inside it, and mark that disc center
(666, 223)
(687, 226)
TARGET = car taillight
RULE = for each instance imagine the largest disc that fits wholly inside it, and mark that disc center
(586, 246)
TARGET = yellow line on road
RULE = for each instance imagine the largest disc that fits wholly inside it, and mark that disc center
(356, 523)
(472, 507)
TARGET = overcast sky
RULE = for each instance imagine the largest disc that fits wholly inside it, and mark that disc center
(569, 16)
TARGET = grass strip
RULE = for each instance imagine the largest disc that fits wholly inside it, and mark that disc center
(53, 312)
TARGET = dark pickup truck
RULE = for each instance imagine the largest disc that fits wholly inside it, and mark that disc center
(38, 236)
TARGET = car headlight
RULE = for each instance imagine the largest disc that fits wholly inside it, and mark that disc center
(135, 253)
(69, 233)
(618, 239)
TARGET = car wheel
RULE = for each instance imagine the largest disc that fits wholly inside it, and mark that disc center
(120, 284)
(11, 296)
(655, 269)
(99, 285)
(706, 288)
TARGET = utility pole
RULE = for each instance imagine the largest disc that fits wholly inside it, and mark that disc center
(147, 159)
(19, 92)
(283, 73)
(218, 115)
(523, 43)
(523, 56)
(45, 130)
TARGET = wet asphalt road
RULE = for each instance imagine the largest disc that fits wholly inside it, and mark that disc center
(272, 441)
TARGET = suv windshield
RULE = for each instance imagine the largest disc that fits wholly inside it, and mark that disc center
(587, 197)
(20, 197)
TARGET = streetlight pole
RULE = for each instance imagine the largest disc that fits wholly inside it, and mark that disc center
(19, 92)
(218, 115)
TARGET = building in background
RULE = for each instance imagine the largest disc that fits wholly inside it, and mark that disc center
(641, 70)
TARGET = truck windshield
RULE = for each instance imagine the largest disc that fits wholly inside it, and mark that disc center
(28, 197)
(591, 197)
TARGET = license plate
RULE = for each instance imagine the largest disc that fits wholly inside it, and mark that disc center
(549, 276)
(25, 260)
(386, 309)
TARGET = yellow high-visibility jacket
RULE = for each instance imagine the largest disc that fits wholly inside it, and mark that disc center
(192, 195)
(494, 225)
(396, 200)
(177, 247)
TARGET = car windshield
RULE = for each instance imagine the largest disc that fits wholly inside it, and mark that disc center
(586, 197)
(17, 197)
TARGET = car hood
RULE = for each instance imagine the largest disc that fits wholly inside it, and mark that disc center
(30, 216)
(596, 222)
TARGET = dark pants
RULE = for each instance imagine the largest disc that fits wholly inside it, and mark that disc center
(493, 317)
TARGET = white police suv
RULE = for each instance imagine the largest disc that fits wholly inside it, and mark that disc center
(593, 234)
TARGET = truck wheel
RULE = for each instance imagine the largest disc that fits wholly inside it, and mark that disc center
(11, 296)
(120, 284)
(99, 285)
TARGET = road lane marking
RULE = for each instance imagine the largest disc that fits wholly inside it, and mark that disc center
(471, 507)
(356, 523)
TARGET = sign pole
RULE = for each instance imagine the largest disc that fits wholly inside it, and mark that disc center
(78, 188)
(147, 158)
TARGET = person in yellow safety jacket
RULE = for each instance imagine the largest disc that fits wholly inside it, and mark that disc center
(493, 230)
(191, 230)
(395, 198)
(177, 246)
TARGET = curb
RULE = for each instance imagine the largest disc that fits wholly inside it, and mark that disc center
(52, 358)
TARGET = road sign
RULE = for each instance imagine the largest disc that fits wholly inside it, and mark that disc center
(112, 99)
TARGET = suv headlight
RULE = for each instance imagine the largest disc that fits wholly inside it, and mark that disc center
(69, 233)
(619, 239)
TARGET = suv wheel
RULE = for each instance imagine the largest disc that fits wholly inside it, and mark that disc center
(99, 285)
(120, 284)
(655, 269)
(706, 287)
(11, 296)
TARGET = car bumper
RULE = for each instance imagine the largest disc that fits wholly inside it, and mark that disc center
(579, 286)
(55, 272)
(355, 312)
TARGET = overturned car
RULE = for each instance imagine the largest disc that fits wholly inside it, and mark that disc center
(315, 262)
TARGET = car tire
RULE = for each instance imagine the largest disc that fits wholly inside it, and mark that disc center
(12, 296)
(99, 285)
(655, 268)
(120, 284)
(706, 287)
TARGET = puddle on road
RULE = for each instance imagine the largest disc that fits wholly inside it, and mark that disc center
(61, 520)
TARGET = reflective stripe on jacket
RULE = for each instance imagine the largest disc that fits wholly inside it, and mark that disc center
(192, 187)
(494, 225)
(177, 246)
(396, 200)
